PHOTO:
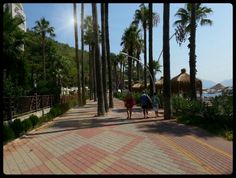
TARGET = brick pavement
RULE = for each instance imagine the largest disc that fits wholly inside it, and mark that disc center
(78, 142)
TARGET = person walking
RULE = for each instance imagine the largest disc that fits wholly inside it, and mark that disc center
(155, 103)
(145, 101)
(129, 103)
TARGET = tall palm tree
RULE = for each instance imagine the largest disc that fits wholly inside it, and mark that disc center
(77, 54)
(88, 40)
(100, 107)
(43, 28)
(150, 49)
(141, 16)
(129, 39)
(186, 19)
(108, 56)
(82, 54)
(104, 56)
(166, 63)
(192, 58)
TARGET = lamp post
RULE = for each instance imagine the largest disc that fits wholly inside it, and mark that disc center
(143, 66)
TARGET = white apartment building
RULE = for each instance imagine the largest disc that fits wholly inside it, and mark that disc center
(16, 9)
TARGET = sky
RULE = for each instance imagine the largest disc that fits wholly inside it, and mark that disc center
(214, 44)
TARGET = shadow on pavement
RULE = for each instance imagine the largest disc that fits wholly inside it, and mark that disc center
(76, 124)
(170, 127)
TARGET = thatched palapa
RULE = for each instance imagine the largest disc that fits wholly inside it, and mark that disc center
(137, 87)
(181, 83)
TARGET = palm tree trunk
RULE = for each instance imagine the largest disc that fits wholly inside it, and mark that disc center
(130, 71)
(145, 57)
(115, 73)
(77, 55)
(192, 60)
(82, 54)
(150, 51)
(108, 56)
(90, 74)
(166, 62)
(100, 105)
(104, 56)
(94, 73)
(120, 77)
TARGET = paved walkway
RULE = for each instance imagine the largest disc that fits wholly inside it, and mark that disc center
(80, 143)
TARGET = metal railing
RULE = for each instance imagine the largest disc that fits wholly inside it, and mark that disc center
(17, 106)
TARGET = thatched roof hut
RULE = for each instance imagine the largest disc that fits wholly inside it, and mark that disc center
(137, 87)
(181, 83)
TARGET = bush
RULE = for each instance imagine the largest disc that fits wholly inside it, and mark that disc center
(17, 127)
(8, 133)
(119, 95)
(137, 98)
(34, 120)
(55, 111)
(186, 106)
(27, 125)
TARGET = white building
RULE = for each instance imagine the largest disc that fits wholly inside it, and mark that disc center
(16, 9)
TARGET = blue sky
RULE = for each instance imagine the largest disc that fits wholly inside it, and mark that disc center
(214, 44)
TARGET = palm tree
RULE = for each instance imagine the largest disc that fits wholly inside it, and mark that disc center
(129, 39)
(88, 40)
(166, 63)
(43, 28)
(82, 54)
(76, 54)
(156, 67)
(186, 21)
(100, 108)
(13, 60)
(192, 58)
(104, 56)
(150, 50)
(108, 56)
(141, 16)
(13, 39)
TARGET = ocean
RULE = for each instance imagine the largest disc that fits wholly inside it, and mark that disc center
(207, 95)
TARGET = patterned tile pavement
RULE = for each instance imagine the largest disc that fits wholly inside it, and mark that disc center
(78, 142)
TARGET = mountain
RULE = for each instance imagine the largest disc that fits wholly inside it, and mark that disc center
(227, 82)
(207, 83)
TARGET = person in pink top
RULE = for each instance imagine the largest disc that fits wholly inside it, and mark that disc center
(129, 103)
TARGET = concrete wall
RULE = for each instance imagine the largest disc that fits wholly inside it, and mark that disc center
(26, 116)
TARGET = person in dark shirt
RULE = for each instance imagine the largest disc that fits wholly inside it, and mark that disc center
(145, 101)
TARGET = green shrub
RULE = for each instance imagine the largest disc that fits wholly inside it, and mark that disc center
(34, 120)
(47, 117)
(137, 97)
(119, 95)
(229, 135)
(17, 127)
(27, 125)
(8, 133)
(55, 111)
